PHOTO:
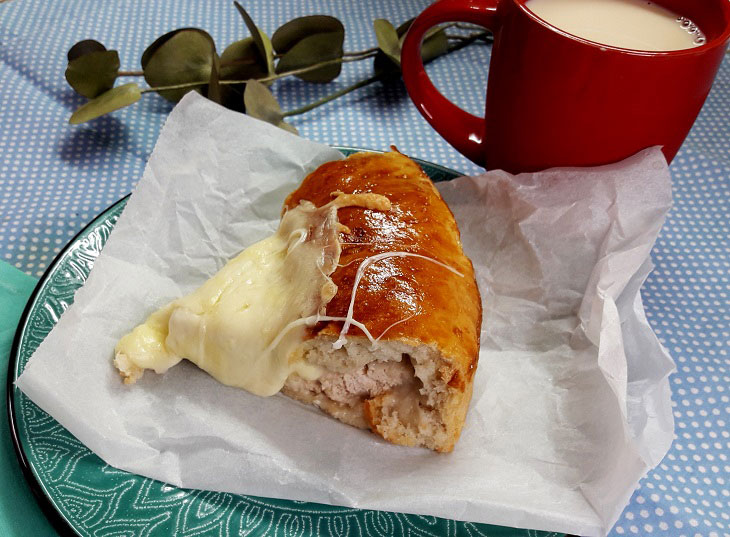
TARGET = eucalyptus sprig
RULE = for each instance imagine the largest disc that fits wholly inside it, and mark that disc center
(187, 59)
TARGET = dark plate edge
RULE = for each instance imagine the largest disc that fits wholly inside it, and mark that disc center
(54, 516)
(49, 509)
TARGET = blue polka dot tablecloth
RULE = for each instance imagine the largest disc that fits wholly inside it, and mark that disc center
(54, 178)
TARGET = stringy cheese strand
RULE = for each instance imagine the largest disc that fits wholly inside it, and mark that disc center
(283, 331)
(358, 324)
(314, 319)
(377, 339)
(349, 320)
(301, 236)
(341, 340)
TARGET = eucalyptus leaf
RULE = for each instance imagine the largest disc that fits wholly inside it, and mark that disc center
(435, 43)
(185, 56)
(268, 51)
(84, 47)
(214, 88)
(261, 104)
(312, 50)
(241, 61)
(300, 28)
(157, 43)
(262, 41)
(403, 29)
(387, 39)
(93, 73)
(111, 100)
(287, 127)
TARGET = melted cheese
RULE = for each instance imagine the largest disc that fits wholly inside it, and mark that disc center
(228, 325)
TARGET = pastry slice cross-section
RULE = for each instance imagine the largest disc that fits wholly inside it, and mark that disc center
(363, 304)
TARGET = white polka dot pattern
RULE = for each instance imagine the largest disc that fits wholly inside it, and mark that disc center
(55, 177)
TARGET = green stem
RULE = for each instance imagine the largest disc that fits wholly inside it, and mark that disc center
(464, 41)
(305, 69)
(466, 26)
(361, 52)
(174, 86)
(344, 54)
(264, 79)
(331, 96)
(468, 38)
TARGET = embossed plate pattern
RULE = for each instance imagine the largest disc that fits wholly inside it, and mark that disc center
(84, 496)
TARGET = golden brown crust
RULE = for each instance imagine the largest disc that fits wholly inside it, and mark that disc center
(445, 307)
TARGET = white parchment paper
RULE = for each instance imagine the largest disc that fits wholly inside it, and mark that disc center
(571, 400)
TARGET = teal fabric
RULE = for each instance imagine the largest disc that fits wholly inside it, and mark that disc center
(20, 515)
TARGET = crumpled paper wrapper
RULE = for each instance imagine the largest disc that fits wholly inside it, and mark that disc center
(571, 401)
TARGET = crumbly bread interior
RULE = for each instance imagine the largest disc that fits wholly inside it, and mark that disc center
(394, 389)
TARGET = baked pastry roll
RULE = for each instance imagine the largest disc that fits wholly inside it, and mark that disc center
(362, 304)
(413, 386)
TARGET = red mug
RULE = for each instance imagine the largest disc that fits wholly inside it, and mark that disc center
(554, 99)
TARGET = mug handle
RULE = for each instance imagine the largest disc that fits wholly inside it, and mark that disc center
(461, 129)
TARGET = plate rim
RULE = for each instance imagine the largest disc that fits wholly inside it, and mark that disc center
(55, 516)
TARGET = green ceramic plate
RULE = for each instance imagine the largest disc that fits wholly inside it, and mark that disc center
(82, 495)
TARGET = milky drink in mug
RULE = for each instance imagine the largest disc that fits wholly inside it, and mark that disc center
(631, 24)
(576, 82)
